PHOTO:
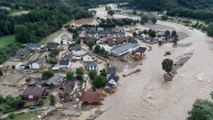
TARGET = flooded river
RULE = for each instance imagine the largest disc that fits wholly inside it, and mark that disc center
(145, 95)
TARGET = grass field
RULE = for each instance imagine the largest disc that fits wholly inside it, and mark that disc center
(5, 40)
(50, 37)
(26, 116)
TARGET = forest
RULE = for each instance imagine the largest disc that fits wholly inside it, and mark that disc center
(198, 9)
(45, 17)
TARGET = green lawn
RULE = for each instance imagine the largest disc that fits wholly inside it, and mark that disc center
(50, 37)
(5, 40)
(26, 116)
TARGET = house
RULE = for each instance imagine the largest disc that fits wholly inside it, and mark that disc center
(123, 49)
(34, 46)
(90, 97)
(33, 93)
(64, 63)
(36, 82)
(110, 42)
(23, 52)
(68, 86)
(111, 71)
(68, 56)
(91, 65)
(37, 64)
(25, 65)
(75, 48)
(52, 46)
(54, 80)
(87, 57)
(111, 82)
(139, 53)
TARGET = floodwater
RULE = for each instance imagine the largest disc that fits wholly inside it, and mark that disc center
(145, 95)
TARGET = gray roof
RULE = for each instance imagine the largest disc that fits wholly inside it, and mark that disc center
(64, 62)
(23, 52)
(124, 47)
(111, 70)
(39, 61)
(76, 47)
(34, 45)
(93, 63)
(54, 80)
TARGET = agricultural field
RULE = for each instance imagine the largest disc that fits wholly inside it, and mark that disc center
(5, 40)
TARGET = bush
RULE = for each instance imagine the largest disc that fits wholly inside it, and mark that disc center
(52, 99)
(11, 116)
(99, 81)
(39, 102)
(47, 74)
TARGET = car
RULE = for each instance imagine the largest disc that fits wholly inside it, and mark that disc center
(31, 107)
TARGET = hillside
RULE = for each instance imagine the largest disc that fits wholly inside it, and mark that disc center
(198, 9)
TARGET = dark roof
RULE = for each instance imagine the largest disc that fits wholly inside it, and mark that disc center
(90, 97)
(68, 56)
(23, 52)
(111, 70)
(36, 92)
(112, 77)
(93, 63)
(76, 47)
(64, 62)
(54, 79)
(39, 61)
(142, 49)
(36, 81)
(68, 86)
(52, 45)
(34, 45)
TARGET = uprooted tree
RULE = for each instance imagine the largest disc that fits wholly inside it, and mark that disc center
(167, 66)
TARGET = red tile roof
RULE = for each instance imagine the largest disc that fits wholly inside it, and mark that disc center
(90, 97)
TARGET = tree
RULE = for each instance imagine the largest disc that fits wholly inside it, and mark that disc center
(91, 43)
(11, 116)
(99, 81)
(1, 72)
(103, 73)
(52, 99)
(164, 17)
(79, 73)
(201, 110)
(97, 49)
(92, 74)
(47, 74)
(167, 33)
(144, 19)
(69, 75)
(39, 102)
(145, 32)
(152, 33)
(167, 65)
(134, 34)
(174, 34)
(110, 12)
(210, 29)
(22, 34)
(153, 19)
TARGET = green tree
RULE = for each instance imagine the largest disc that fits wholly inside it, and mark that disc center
(22, 34)
(79, 73)
(103, 73)
(69, 75)
(167, 65)
(134, 34)
(47, 74)
(39, 102)
(164, 17)
(97, 49)
(52, 99)
(210, 29)
(201, 110)
(99, 81)
(11, 116)
(1, 72)
(91, 43)
(110, 12)
(167, 33)
(92, 74)
(152, 33)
